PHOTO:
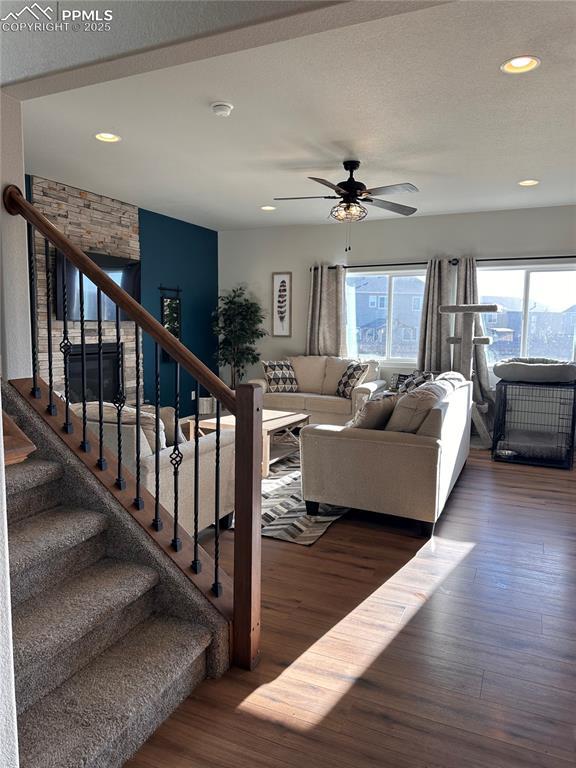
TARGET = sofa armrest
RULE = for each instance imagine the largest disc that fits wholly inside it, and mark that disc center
(389, 472)
(364, 392)
(261, 383)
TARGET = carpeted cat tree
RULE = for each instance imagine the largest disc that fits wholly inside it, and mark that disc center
(467, 341)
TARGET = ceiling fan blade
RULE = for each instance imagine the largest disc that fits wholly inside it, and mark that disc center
(403, 210)
(340, 191)
(392, 189)
(316, 197)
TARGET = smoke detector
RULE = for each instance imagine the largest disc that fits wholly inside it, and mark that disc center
(222, 109)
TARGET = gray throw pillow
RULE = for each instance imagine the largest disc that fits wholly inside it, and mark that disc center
(413, 407)
(375, 413)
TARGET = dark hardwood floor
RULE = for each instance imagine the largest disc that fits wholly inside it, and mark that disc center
(381, 650)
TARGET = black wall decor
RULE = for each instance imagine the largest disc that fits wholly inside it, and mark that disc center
(171, 313)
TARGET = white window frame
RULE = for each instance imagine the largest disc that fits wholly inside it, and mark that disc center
(418, 307)
(528, 268)
(372, 301)
(391, 274)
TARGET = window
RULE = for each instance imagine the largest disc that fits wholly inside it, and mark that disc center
(383, 313)
(537, 316)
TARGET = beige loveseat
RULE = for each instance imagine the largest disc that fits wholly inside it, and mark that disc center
(394, 473)
(318, 377)
(207, 447)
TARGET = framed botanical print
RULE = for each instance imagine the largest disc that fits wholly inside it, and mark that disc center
(282, 304)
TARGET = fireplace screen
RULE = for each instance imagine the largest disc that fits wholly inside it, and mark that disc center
(110, 372)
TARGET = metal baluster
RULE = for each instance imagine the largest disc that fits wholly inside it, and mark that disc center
(119, 402)
(176, 457)
(196, 564)
(65, 347)
(85, 444)
(51, 407)
(217, 586)
(157, 521)
(101, 463)
(35, 391)
(138, 500)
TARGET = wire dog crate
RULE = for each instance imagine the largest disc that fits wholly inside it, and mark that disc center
(535, 423)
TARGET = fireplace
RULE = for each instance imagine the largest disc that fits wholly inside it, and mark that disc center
(110, 372)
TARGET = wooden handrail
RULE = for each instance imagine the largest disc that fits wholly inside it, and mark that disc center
(15, 203)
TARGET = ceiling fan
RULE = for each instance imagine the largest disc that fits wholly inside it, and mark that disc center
(353, 194)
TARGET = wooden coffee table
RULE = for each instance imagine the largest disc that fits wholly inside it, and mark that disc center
(274, 424)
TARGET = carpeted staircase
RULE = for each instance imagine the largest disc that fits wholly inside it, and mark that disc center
(99, 660)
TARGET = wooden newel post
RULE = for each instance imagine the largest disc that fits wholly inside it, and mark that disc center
(247, 526)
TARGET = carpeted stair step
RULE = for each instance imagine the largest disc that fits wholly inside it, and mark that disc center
(51, 546)
(61, 629)
(102, 715)
(32, 486)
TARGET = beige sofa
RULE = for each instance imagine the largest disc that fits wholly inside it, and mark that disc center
(394, 473)
(318, 377)
(207, 447)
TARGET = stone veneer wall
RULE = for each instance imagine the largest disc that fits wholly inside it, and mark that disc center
(91, 222)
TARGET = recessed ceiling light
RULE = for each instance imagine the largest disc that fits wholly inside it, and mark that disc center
(108, 138)
(268, 208)
(222, 108)
(520, 64)
(528, 182)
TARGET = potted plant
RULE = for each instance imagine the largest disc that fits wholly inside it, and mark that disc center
(238, 324)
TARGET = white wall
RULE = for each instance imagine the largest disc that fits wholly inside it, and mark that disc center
(15, 361)
(14, 296)
(250, 256)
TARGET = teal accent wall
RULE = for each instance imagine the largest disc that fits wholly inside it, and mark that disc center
(176, 253)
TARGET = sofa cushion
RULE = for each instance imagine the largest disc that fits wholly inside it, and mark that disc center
(373, 370)
(167, 416)
(375, 413)
(147, 419)
(279, 376)
(412, 408)
(309, 370)
(328, 404)
(335, 368)
(352, 377)
(453, 377)
(285, 401)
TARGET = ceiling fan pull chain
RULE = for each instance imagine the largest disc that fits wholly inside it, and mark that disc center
(348, 247)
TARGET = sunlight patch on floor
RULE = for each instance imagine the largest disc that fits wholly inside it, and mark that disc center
(314, 683)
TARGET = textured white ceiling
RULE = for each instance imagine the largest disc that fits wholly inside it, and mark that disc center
(416, 97)
(136, 25)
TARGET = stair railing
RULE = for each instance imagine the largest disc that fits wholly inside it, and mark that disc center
(245, 403)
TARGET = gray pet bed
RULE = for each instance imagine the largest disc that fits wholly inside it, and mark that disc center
(536, 370)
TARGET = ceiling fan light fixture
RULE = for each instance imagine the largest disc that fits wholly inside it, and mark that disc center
(348, 212)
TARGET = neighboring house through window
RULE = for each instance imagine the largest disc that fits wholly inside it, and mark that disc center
(537, 316)
(383, 313)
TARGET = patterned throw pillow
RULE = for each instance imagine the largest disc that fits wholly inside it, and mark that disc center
(351, 377)
(280, 376)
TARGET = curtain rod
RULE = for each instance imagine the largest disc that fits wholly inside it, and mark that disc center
(453, 262)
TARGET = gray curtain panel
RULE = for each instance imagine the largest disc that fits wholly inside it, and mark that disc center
(326, 312)
(434, 352)
(467, 293)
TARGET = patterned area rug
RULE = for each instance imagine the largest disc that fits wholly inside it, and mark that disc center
(283, 509)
